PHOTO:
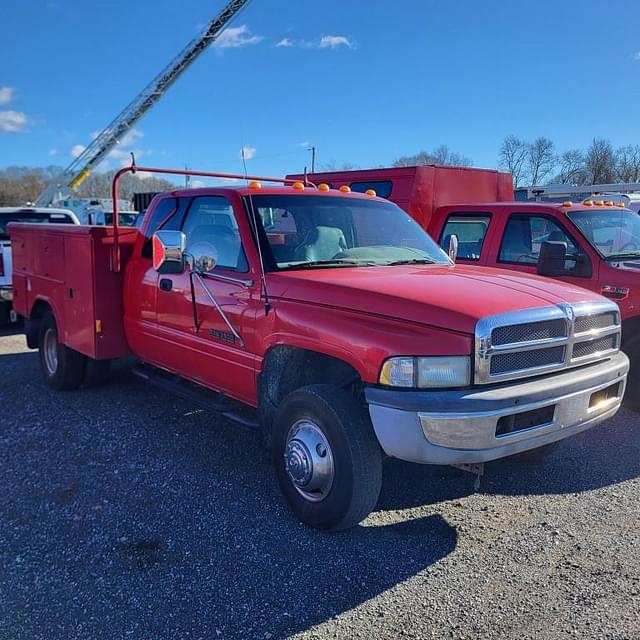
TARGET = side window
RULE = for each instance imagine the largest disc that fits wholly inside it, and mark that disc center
(524, 235)
(470, 229)
(161, 213)
(381, 187)
(160, 218)
(212, 230)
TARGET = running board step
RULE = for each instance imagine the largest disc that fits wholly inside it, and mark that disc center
(205, 398)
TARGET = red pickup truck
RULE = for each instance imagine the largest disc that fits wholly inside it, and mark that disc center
(331, 322)
(593, 244)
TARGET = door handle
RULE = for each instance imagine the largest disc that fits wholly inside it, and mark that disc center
(166, 284)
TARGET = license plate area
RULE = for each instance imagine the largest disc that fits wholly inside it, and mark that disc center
(525, 420)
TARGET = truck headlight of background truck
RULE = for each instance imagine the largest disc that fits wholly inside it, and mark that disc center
(426, 373)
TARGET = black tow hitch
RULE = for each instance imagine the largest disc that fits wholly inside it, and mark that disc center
(476, 469)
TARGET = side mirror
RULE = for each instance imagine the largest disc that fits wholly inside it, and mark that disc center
(451, 246)
(168, 251)
(552, 258)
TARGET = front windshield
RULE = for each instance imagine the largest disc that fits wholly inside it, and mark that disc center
(314, 231)
(612, 233)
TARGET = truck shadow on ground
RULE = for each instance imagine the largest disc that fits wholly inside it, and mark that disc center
(127, 513)
(606, 455)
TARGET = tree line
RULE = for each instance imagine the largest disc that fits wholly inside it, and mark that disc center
(538, 162)
(19, 185)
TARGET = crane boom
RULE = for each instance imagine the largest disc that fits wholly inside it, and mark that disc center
(109, 137)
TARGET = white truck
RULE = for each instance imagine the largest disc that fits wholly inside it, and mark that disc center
(21, 214)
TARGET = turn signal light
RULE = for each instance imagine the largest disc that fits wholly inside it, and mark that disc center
(345, 189)
(323, 186)
(588, 203)
(371, 192)
(298, 186)
(614, 292)
(254, 184)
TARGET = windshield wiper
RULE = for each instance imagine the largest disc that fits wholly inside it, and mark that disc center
(411, 261)
(329, 263)
(622, 256)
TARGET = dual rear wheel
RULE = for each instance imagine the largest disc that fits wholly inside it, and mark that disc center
(64, 368)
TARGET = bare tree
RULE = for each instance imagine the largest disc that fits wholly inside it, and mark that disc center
(513, 157)
(628, 163)
(572, 167)
(541, 160)
(600, 162)
(19, 185)
(440, 155)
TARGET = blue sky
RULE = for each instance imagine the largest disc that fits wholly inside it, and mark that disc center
(388, 79)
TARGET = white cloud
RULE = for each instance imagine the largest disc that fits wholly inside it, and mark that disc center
(285, 42)
(235, 37)
(6, 95)
(77, 149)
(636, 56)
(197, 184)
(332, 42)
(13, 121)
(53, 152)
(247, 152)
(304, 144)
(131, 137)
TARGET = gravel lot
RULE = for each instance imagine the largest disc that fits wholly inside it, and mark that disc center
(127, 514)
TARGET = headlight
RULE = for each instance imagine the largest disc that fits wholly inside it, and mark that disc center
(425, 373)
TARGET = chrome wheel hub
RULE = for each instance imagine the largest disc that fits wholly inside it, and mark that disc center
(309, 460)
(50, 348)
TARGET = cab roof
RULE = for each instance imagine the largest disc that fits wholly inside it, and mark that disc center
(246, 190)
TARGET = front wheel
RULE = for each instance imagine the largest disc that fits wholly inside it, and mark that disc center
(62, 367)
(327, 459)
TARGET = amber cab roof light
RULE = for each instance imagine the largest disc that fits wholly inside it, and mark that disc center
(588, 203)
(567, 203)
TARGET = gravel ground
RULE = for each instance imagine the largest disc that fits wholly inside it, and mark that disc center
(127, 514)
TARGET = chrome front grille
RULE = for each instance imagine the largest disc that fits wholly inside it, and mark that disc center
(519, 360)
(534, 341)
(529, 331)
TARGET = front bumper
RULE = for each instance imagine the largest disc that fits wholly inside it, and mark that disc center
(6, 294)
(456, 427)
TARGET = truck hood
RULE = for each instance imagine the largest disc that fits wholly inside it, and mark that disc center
(449, 297)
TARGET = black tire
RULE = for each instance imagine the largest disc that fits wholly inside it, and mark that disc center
(5, 308)
(67, 372)
(539, 454)
(353, 448)
(96, 372)
(632, 392)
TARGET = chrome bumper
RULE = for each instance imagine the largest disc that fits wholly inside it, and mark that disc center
(467, 426)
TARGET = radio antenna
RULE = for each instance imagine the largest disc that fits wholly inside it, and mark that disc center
(254, 222)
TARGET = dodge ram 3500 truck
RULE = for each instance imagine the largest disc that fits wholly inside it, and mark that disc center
(330, 321)
(593, 244)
